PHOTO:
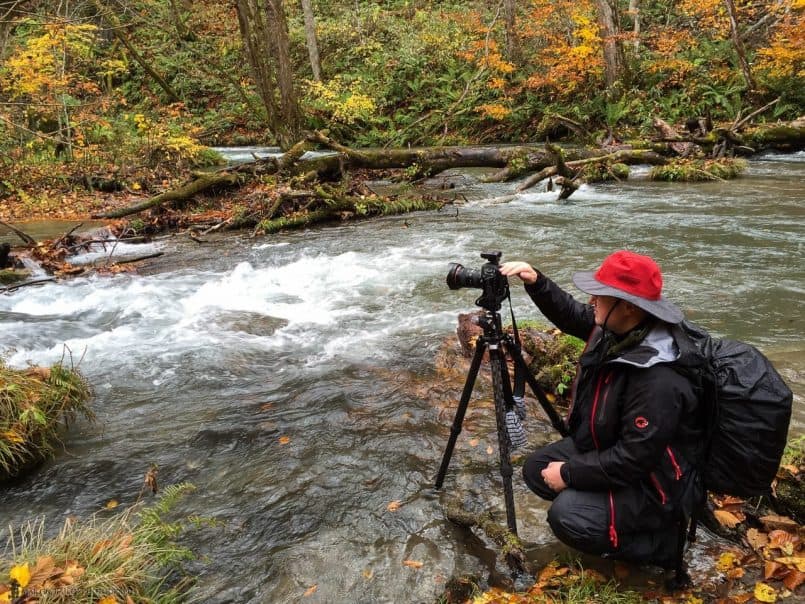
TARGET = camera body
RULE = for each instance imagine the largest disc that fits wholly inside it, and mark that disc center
(488, 278)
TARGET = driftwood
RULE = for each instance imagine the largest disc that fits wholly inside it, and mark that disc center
(512, 549)
(25, 237)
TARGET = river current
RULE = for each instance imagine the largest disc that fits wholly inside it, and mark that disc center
(292, 378)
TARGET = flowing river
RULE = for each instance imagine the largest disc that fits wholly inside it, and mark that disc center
(291, 378)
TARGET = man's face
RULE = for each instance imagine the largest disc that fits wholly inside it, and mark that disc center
(617, 319)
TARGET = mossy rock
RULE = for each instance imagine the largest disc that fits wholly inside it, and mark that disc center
(9, 276)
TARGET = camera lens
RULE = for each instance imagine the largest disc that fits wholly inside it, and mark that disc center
(458, 277)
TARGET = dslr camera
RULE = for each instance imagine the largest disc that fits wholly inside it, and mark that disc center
(487, 278)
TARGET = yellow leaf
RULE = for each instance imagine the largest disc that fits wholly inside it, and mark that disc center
(726, 561)
(21, 573)
(413, 563)
(5, 596)
(368, 573)
(108, 600)
(284, 440)
(797, 562)
(310, 590)
(765, 593)
(393, 506)
(111, 504)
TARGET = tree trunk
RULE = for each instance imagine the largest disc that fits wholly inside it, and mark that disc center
(634, 11)
(312, 42)
(264, 29)
(512, 41)
(739, 45)
(613, 52)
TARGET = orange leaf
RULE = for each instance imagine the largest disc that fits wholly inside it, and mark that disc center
(727, 519)
(310, 590)
(284, 440)
(489, 450)
(794, 579)
(413, 563)
(770, 567)
(393, 506)
(474, 442)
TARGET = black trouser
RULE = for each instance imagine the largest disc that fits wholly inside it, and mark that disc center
(645, 532)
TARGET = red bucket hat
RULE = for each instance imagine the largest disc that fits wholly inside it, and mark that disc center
(631, 277)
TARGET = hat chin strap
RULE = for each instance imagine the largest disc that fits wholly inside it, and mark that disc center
(604, 325)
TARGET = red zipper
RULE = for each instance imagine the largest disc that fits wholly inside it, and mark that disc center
(658, 487)
(677, 469)
(613, 532)
(601, 381)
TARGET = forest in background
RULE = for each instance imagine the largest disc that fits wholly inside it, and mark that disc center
(130, 94)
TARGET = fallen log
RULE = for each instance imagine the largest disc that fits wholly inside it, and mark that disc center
(623, 156)
(512, 550)
(183, 193)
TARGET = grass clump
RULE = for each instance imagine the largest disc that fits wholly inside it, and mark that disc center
(131, 557)
(565, 584)
(36, 404)
(697, 170)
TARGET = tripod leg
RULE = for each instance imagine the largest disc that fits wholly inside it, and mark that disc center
(480, 347)
(503, 401)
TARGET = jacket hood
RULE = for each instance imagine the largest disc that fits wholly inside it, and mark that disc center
(657, 347)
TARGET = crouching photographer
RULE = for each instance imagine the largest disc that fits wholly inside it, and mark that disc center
(622, 483)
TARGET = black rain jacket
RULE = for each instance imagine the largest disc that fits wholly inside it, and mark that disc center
(633, 418)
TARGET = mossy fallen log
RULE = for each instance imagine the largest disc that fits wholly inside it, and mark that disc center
(512, 550)
(183, 193)
(10, 275)
(340, 208)
(695, 170)
(36, 405)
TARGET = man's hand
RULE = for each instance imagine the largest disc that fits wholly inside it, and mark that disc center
(523, 270)
(553, 477)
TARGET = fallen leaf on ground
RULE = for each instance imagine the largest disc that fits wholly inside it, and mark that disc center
(111, 504)
(413, 563)
(726, 561)
(310, 590)
(797, 562)
(727, 519)
(393, 506)
(474, 442)
(794, 579)
(765, 593)
(779, 523)
(284, 440)
(756, 539)
(489, 450)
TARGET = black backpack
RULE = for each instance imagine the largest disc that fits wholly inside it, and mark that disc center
(746, 407)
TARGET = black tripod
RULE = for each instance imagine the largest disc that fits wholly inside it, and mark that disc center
(498, 343)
